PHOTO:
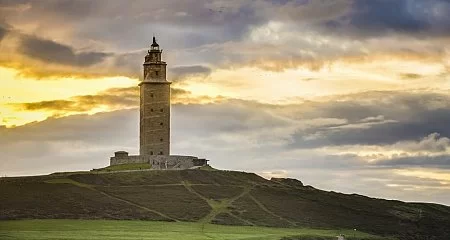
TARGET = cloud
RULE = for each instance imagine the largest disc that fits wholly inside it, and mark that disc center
(40, 58)
(431, 143)
(431, 151)
(407, 116)
(360, 125)
(387, 15)
(59, 144)
(222, 34)
(3, 33)
(357, 119)
(108, 100)
(5, 28)
(46, 105)
(128, 63)
(304, 12)
(56, 53)
(411, 17)
(182, 72)
(141, 18)
(442, 161)
(411, 76)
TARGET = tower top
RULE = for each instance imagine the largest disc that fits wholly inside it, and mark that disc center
(154, 46)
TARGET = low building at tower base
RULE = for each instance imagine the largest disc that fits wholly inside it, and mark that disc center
(159, 162)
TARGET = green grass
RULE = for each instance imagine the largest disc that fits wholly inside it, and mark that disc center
(125, 167)
(107, 229)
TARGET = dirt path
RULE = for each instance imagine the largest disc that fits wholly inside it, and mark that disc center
(164, 185)
(92, 188)
(218, 207)
(260, 205)
(136, 205)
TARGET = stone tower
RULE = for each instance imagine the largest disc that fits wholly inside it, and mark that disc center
(154, 132)
(154, 105)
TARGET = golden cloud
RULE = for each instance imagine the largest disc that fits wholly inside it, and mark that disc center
(109, 100)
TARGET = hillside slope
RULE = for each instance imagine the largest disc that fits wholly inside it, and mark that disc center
(221, 197)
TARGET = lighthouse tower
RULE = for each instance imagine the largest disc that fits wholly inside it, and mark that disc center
(154, 124)
(154, 105)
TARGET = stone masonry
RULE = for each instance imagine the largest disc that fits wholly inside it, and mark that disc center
(154, 105)
(160, 162)
(154, 131)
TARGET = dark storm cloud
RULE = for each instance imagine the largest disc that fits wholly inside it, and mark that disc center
(412, 17)
(383, 134)
(398, 15)
(406, 116)
(53, 52)
(110, 20)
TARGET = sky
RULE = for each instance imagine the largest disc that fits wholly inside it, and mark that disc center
(346, 95)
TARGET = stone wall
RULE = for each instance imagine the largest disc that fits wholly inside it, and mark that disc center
(121, 158)
(154, 105)
(155, 118)
(162, 162)
(155, 72)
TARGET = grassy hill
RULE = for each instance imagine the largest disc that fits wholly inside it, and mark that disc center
(217, 197)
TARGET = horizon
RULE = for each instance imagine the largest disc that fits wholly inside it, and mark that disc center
(348, 96)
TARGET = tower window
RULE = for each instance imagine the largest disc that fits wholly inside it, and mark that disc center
(151, 94)
(151, 152)
(160, 153)
(151, 109)
(157, 73)
(161, 124)
(162, 110)
(161, 140)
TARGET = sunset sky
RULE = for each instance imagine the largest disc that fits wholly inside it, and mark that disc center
(345, 95)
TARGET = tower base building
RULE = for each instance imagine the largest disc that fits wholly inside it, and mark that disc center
(154, 120)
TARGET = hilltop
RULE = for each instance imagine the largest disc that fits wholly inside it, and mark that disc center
(212, 196)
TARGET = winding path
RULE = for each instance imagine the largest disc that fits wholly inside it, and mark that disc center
(217, 207)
